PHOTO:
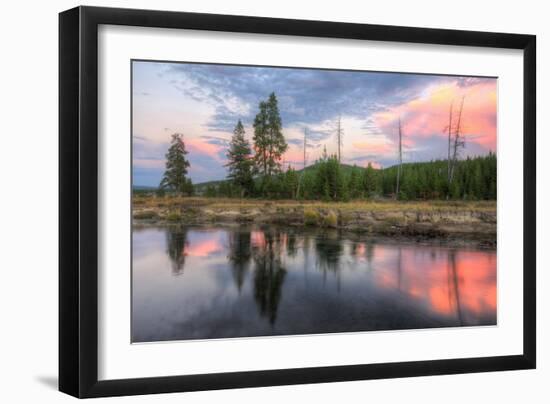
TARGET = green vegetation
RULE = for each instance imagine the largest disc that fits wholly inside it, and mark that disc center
(474, 179)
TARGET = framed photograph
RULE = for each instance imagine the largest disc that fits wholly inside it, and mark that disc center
(251, 201)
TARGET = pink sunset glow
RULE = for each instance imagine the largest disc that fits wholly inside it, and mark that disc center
(428, 114)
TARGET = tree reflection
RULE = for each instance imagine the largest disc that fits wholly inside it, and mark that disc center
(360, 249)
(239, 255)
(291, 244)
(369, 253)
(452, 278)
(176, 241)
(329, 248)
(269, 275)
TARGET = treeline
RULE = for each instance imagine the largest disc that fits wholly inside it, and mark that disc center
(328, 180)
(474, 179)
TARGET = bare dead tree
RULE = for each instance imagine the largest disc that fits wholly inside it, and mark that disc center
(458, 141)
(400, 151)
(304, 164)
(449, 129)
(305, 144)
(339, 134)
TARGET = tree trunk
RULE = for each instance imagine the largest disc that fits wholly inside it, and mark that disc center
(449, 144)
(400, 161)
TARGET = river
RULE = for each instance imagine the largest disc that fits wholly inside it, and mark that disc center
(223, 282)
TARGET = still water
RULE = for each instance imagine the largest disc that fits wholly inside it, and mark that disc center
(196, 283)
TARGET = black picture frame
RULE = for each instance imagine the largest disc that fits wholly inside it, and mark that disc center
(78, 201)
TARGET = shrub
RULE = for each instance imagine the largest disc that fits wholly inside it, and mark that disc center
(173, 217)
(145, 214)
(311, 217)
(331, 219)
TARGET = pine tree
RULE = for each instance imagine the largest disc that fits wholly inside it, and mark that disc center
(269, 142)
(369, 180)
(211, 191)
(261, 140)
(240, 161)
(277, 142)
(355, 188)
(329, 179)
(290, 183)
(174, 178)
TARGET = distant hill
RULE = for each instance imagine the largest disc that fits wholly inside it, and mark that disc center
(143, 188)
(201, 187)
(344, 167)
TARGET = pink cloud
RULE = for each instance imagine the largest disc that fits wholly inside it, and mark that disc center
(203, 248)
(374, 148)
(293, 155)
(197, 145)
(428, 115)
(149, 163)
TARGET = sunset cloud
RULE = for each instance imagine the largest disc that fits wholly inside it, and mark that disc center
(428, 114)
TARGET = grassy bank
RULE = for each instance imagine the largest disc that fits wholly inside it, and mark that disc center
(152, 202)
(426, 219)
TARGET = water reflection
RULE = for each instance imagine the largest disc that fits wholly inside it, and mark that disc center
(328, 246)
(239, 255)
(270, 281)
(269, 273)
(176, 241)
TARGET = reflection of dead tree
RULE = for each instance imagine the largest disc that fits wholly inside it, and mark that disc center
(453, 280)
(399, 270)
(369, 254)
(400, 151)
(456, 143)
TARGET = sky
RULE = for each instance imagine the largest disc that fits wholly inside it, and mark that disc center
(205, 101)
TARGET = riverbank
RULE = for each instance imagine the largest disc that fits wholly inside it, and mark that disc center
(445, 221)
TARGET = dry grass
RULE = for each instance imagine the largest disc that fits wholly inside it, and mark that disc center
(151, 202)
